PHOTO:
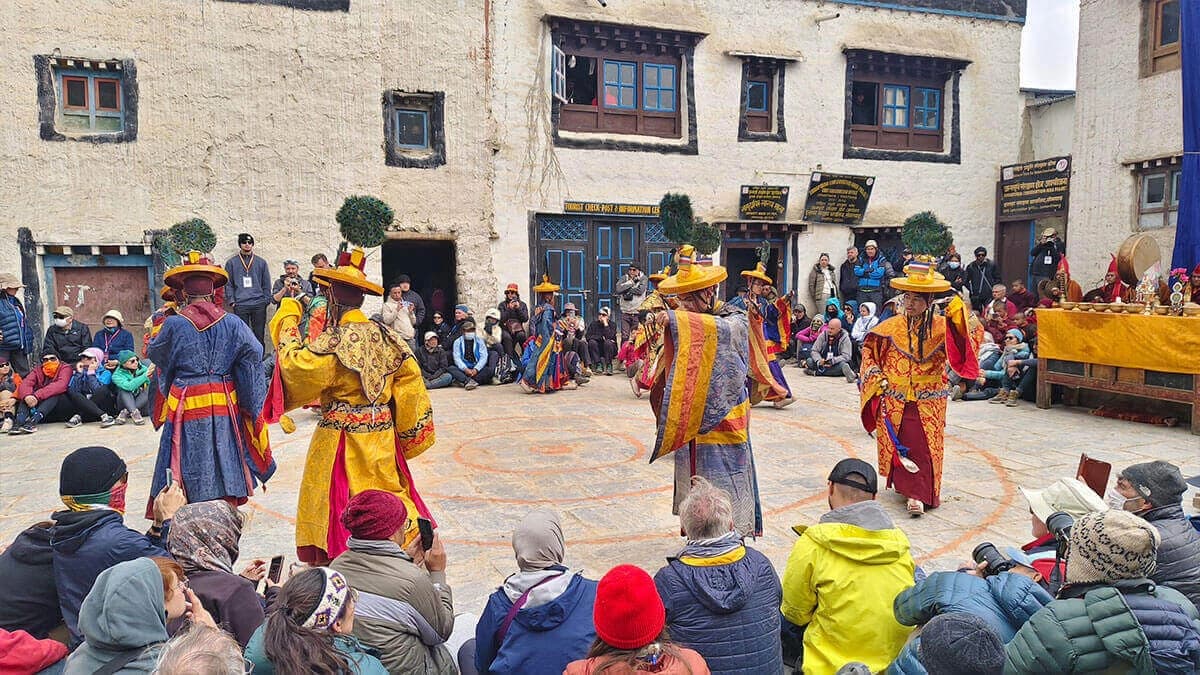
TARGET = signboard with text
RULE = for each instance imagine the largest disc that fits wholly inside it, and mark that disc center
(763, 202)
(837, 198)
(611, 209)
(1035, 188)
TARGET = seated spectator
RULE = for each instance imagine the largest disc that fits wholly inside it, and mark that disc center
(631, 631)
(308, 629)
(462, 314)
(205, 539)
(571, 328)
(113, 338)
(1068, 495)
(132, 381)
(961, 644)
(514, 317)
(10, 381)
(404, 610)
(843, 574)
(831, 353)
(1015, 349)
(1104, 616)
(1154, 491)
(27, 584)
(602, 341)
(998, 312)
(67, 338)
(540, 620)
(470, 354)
(90, 536)
(441, 328)
(89, 391)
(124, 617)
(805, 337)
(866, 321)
(435, 363)
(400, 315)
(891, 307)
(987, 354)
(722, 597)
(833, 310)
(42, 395)
(201, 650)
(800, 321)
(493, 338)
(1003, 603)
(1021, 297)
(1026, 323)
(24, 654)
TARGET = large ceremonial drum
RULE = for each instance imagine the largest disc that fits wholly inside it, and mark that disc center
(1137, 254)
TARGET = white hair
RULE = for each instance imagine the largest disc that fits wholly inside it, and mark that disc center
(706, 512)
(201, 651)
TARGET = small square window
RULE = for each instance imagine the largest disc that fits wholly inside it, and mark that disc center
(108, 95)
(758, 96)
(75, 91)
(620, 85)
(412, 129)
(1154, 190)
(927, 109)
(895, 106)
(659, 88)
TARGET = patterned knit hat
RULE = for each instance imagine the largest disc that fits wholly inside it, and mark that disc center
(960, 644)
(1111, 546)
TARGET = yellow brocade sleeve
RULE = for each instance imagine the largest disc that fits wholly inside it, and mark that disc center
(411, 409)
(957, 315)
(305, 375)
(285, 325)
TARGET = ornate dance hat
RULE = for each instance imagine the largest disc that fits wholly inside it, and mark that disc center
(695, 273)
(198, 268)
(657, 277)
(759, 272)
(349, 272)
(921, 278)
(546, 286)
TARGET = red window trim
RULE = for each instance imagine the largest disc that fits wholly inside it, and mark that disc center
(86, 92)
(116, 82)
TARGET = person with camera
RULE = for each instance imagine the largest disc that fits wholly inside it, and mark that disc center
(1110, 617)
(1154, 491)
(405, 607)
(631, 291)
(1065, 495)
(1045, 256)
(291, 285)
(514, 315)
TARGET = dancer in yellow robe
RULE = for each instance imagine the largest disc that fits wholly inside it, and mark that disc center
(375, 412)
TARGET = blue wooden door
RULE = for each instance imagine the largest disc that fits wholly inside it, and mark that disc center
(566, 267)
(616, 248)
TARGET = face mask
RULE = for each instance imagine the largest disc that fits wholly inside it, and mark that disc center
(954, 264)
(468, 336)
(61, 323)
(110, 330)
(50, 368)
(1117, 501)
(116, 498)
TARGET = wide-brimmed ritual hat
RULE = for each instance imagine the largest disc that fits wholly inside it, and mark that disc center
(349, 272)
(759, 272)
(195, 264)
(695, 273)
(921, 277)
(546, 286)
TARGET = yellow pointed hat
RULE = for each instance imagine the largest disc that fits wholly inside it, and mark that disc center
(759, 272)
(349, 272)
(695, 273)
(657, 277)
(546, 286)
(920, 277)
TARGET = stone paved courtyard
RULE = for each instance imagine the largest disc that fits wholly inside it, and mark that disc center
(500, 453)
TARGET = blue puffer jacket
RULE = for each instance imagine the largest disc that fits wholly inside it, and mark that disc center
(1005, 601)
(541, 640)
(18, 336)
(727, 612)
(1178, 553)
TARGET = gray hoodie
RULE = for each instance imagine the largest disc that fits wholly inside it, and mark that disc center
(122, 616)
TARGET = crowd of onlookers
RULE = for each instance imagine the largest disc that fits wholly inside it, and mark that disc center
(1106, 584)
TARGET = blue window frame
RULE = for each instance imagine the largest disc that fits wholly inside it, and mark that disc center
(927, 109)
(620, 85)
(90, 101)
(758, 96)
(412, 129)
(658, 87)
(895, 105)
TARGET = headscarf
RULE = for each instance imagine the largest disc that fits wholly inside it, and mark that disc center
(205, 536)
(538, 541)
(865, 323)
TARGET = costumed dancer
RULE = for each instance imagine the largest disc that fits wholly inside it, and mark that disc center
(214, 441)
(904, 384)
(771, 318)
(647, 342)
(375, 412)
(153, 325)
(699, 397)
(547, 367)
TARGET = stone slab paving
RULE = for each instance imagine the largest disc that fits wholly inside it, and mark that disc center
(501, 453)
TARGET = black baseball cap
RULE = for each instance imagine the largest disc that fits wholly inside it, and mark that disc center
(855, 473)
(245, 238)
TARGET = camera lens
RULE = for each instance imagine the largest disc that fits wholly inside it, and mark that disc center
(1059, 524)
(996, 562)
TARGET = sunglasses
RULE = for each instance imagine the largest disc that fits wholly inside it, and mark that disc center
(49, 358)
(1010, 338)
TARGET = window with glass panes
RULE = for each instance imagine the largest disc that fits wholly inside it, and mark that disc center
(1162, 25)
(762, 99)
(1158, 204)
(892, 115)
(658, 87)
(89, 102)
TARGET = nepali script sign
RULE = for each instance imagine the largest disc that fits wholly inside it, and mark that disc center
(837, 198)
(611, 209)
(763, 202)
(1035, 188)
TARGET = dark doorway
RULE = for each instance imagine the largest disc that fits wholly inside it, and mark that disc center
(744, 257)
(430, 263)
(1017, 239)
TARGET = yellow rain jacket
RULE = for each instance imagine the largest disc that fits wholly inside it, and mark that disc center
(840, 582)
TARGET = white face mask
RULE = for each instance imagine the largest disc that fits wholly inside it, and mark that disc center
(61, 323)
(1117, 501)
(954, 264)
(468, 336)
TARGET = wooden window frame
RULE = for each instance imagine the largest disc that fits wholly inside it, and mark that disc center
(937, 110)
(87, 93)
(424, 113)
(902, 136)
(96, 83)
(51, 69)
(765, 124)
(659, 89)
(1158, 58)
(433, 105)
(616, 120)
(1170, 202)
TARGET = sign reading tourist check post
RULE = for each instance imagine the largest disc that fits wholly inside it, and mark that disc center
(837, 198)
(1035, 188)
(611, 209)
(763, 202)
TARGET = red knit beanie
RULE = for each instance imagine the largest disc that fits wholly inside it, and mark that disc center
(628, 613)
(374, 515)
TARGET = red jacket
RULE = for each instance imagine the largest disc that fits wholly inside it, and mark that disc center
(22, 654)
(43, 387)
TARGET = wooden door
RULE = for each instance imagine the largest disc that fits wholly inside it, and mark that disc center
(1016, 239)
(92, 291)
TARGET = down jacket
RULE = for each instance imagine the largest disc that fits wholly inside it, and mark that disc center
(18, 336)
(1130, 626)
(728, 612)
(1178, 552)
(1006, 601)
